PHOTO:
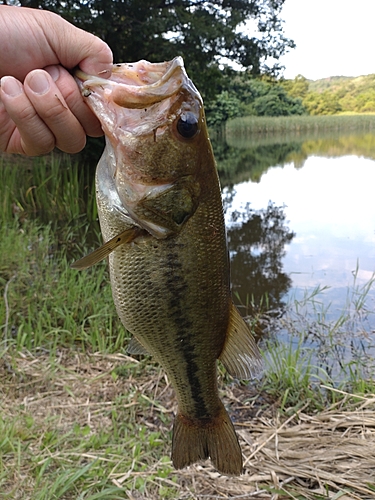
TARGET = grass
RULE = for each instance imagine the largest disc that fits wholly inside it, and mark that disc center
(80, 419)
(48, 305)
(325, 349)
(254, 125)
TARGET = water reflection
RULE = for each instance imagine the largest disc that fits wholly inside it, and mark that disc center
(325, 186)
(247, 158)
(257, 241)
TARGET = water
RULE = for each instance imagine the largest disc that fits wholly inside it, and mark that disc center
(301, 223)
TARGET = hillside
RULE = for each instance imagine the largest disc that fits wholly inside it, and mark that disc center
(337, 94)
(335, 83)
(332, 82)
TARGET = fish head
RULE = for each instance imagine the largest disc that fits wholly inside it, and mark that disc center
(153, 119)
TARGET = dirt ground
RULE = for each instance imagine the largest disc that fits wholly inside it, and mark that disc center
(330, 454)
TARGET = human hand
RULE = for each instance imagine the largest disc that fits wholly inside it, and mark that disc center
(40, 104)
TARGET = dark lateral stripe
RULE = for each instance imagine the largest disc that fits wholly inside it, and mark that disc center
(177, 287)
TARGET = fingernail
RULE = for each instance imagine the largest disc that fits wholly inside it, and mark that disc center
(38, 82)
(53, 71)
(11, 86)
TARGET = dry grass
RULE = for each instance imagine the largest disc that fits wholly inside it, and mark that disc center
(64, 412)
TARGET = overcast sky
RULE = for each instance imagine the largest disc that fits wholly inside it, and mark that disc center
(333, 38)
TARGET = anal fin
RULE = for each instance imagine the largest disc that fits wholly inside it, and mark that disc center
(240, 356)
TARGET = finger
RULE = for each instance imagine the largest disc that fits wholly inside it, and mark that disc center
(52, 109)
(77, 47)
(21, 129)
(41, 116)
(7, 127)
(44, 38)
(73, 98)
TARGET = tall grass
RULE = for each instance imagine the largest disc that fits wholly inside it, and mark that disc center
(316, 347)
(247, 125)
(53, 190)
(48, 219)
(46, 304)
(50, 187)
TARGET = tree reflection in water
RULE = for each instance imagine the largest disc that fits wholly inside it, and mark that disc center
(256, 241)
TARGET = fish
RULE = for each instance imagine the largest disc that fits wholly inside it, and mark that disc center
(161, 216)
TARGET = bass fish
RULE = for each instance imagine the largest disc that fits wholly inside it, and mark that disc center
(161, 216)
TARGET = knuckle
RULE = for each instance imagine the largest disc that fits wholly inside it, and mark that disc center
(39, 142)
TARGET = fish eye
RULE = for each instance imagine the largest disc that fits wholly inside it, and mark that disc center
(187, 125)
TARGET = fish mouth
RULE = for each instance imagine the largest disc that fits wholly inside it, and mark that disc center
(137, 85)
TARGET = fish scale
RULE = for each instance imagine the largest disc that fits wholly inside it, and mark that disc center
(161, 216)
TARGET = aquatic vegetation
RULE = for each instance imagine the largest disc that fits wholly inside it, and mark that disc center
(247, 125)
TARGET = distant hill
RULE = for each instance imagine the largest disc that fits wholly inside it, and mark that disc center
(328, 83)
(335, 83)
(336, 94)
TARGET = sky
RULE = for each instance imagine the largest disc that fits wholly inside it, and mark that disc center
(333, 38)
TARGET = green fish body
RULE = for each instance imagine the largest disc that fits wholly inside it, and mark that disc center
(161, 216)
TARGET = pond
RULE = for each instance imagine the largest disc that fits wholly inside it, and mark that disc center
(301, 230)
(301, 233)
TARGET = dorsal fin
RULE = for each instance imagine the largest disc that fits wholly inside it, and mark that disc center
(240, 356)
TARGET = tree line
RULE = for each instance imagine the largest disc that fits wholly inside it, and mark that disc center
(246, 95)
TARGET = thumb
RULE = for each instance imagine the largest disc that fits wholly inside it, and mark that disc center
(76, 47)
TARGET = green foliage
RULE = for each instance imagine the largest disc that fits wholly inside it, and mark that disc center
(334, 95)
(264, 97)
(224, 107)
(298, 87)
(325, 103)
(278, 103)
(246, 95)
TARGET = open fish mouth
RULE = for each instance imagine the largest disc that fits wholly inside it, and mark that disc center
(149, 112)
(139, 84)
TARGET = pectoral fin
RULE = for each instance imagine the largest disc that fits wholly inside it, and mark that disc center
(135, 347)
(102, 252)
(240, 356)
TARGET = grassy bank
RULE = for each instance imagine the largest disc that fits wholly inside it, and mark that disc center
(80, 419)
(247, 125)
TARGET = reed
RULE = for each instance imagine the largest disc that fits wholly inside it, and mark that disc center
(253, 125)
(53, 186)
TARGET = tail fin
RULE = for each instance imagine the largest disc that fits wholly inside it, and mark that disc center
(198, 439)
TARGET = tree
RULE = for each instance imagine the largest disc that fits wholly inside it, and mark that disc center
(205, 33)
(298, 87)
(324, 103)
(257, 241)
(278, 103)
(222, 108)
(257, 96)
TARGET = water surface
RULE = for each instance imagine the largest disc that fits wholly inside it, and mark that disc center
(305, 212)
